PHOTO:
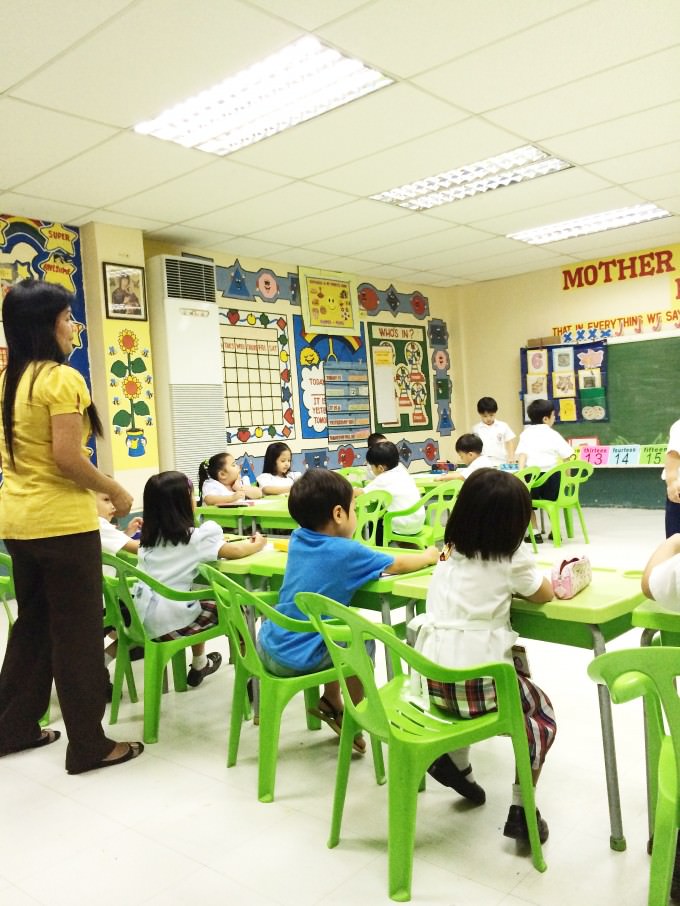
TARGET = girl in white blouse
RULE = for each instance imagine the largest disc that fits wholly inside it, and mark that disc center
(220, 482)
(276, 477)
(467, 622)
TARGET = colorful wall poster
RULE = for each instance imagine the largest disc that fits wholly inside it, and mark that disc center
(329, 302)
(575, 377)
(313, 352)
(401, 378)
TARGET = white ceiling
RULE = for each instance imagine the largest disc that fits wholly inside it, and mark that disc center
(596, 82)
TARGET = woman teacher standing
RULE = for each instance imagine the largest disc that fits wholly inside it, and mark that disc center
(48, 521)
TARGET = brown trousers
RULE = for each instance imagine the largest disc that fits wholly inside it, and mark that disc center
(57, 635)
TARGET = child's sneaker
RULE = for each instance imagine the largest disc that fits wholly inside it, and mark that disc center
(196, 677)
(516, 825)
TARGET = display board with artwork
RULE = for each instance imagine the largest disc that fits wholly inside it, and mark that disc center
(574, 377)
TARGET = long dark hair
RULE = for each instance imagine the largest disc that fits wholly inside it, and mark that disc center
(168, 514)
(490, 515)
(209, 468)
(271, 455)
(29, 315)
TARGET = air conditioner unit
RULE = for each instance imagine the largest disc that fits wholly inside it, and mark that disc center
(187, 357)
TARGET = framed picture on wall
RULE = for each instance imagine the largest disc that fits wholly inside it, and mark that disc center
(329, 303)
(124, 292)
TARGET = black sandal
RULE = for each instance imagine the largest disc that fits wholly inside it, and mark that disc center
(46, 738)
(331, 716)
(134, 750)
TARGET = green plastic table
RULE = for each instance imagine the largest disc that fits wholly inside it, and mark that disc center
(269, 512)
(601, 612)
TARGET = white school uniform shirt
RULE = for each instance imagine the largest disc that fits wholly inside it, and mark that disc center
(405, 493)
(494, 437)
(467, 617)
(211, 486)
(664, 583)
(673, 442)
(112, 540)
(544, 447)
(175, 565)
(267, 480)
(482, 462)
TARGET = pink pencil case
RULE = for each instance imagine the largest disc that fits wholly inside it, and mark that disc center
(571, 577)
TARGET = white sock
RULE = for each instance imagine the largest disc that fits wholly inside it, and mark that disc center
(199, 661)
(461, 759)
(517, 795)
(107, 659)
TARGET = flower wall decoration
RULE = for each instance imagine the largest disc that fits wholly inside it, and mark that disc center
(125, 370)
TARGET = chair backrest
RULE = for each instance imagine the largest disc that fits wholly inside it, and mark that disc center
(353, 474)
(573, 474)
(529, 475)
(345, 639)
(370, 508)
(120, 588)
(648, 672)
(439, 503)
(233, 600)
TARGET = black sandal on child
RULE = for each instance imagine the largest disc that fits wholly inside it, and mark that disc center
(331, 716)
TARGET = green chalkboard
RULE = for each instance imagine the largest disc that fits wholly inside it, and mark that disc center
(642, 392)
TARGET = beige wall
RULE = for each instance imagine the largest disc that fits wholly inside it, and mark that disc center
(491, 321)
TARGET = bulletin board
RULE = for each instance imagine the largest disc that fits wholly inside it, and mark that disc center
(642, 394)
(574, 377)
(402, 399)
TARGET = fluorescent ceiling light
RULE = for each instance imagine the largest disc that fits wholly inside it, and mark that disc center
(594, 223)
(296, 84)
(514, 166)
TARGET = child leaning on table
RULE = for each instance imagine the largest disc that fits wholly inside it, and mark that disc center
(469, 449)
(277, 477)
(323, 558)
(467, 622)
(391, 475)
(171, 549)
(220, 482)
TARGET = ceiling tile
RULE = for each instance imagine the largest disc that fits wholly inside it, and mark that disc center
(629, 167)
(186, 236)
(308, 14)
(24, 153)
(528, 62)
(355, 131)
(155, 54)
(116, 169)
(30, 39)
(124, 220)
(40, 208)
(204, 190)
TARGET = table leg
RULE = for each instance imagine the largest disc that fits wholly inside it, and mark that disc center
(386, 614)
(617, 841)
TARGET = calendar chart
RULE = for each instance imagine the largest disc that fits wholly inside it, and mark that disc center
(256, 376)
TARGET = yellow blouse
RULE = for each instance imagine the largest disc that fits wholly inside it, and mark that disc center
(36, 500)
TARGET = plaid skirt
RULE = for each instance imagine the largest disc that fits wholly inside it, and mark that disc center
(207, 617)
(478, 696)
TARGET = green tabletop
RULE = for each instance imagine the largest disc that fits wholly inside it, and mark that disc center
(608, 602)
(268, 512)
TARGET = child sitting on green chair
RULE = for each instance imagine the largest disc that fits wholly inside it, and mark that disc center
(323, 558)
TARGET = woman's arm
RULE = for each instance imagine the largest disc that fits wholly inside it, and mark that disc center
(235, 550)
(69, 458)
(669, 548)
(408, 563)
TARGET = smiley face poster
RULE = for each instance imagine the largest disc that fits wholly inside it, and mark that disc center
(329, 303)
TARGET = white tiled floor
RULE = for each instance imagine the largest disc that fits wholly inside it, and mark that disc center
(176, 827)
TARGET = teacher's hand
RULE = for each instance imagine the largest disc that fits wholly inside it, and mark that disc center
(121, 500)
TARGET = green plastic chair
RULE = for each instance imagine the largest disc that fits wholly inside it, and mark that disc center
(438, 503)
(415, 738)
(529, 476)
(573, 474)
(156, 653)
(7, 593)
(370, 507)
(356, 475)
(651, 673)
(275, 692)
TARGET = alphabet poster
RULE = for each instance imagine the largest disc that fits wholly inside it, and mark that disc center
(401, 378)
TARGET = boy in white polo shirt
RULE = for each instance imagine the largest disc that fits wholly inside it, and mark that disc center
(496, 435)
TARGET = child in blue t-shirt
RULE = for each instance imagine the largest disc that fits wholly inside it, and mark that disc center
(323, 558)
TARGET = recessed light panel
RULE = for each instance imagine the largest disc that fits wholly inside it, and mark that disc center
(594, 223)
(505, 169)
(296, 84)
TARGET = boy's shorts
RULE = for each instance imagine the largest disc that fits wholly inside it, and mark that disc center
(277, 669)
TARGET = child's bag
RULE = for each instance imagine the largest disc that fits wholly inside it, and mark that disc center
(571, 577)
